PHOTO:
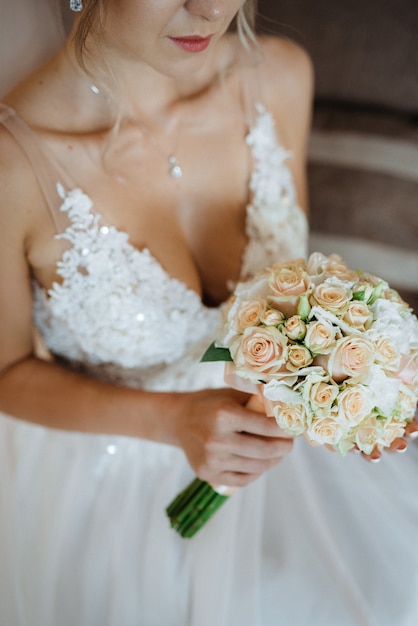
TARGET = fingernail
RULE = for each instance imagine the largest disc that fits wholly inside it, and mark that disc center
(402, 448)
(375, 459)
(414, 434)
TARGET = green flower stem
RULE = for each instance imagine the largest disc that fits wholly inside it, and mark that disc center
(192, 508)
(183, 497)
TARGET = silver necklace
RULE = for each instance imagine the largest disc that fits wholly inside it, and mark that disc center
(174, 168)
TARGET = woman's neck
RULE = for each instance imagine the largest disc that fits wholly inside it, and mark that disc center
(134, 88)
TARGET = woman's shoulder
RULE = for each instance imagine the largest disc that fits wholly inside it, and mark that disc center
(280, 74)
(286, 69)
(20, 193)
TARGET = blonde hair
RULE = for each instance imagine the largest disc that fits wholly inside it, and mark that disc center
(89, 20)
(244, 24)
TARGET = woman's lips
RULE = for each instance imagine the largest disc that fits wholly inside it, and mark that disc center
(192, 43)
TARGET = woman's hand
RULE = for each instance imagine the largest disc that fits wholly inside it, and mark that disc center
(227, 442)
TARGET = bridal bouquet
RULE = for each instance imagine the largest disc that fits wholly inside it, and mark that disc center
(333, 352)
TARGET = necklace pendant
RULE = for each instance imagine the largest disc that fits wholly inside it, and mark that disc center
(175, 170)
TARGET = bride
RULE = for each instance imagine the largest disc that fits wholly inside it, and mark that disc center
(158, 158)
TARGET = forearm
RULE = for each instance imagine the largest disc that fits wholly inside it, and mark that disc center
(50, 395)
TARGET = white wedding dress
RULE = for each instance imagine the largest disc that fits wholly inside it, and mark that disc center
(84, 538)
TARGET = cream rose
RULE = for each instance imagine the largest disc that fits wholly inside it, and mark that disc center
(320, 337)
(387, 353)
(295, 328)
(298, 357)
(332, 296)
(325, 430)
(351, 357)
(389, 431)
(259, 353)
(291, 418)
(366, 437)
(322, 396)
(287, 284)
(407, 404)
(318, 265)
(355, 403)
(271, 317)
(358, 315)
(249, 314)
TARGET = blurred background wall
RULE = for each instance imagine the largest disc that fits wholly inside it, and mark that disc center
(363, 153)
(30, 32)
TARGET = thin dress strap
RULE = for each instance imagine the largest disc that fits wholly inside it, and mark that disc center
(46, 168)
(251, 91)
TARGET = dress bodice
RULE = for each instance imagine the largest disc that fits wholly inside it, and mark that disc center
(118, 315)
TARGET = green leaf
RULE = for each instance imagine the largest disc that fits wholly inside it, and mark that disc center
(214, 353)
(359, 295)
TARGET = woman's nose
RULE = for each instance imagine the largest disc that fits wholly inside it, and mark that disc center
(211, 10)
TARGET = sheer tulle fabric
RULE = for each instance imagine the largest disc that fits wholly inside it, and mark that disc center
(320, 541)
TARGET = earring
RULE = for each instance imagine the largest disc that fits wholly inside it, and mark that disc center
(76, 5)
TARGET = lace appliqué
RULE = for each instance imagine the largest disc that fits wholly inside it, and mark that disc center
(276, 227)
(116, 303)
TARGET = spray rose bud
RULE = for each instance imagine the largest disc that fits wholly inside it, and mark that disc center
(298, 357)
(295, 328)
(271, 317)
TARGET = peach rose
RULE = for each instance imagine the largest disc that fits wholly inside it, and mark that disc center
(287, 283)
(332, 297)
(355, 403)
(358, 315)
(295, 328)
(291, 418)
(322, 396)
(393, 296)
(318, 264)
(259, 353)
(320, 337)
(249, 314)
(271, 317)
(387, 353)
(325, 430)
(351, 357)
(298, 357)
